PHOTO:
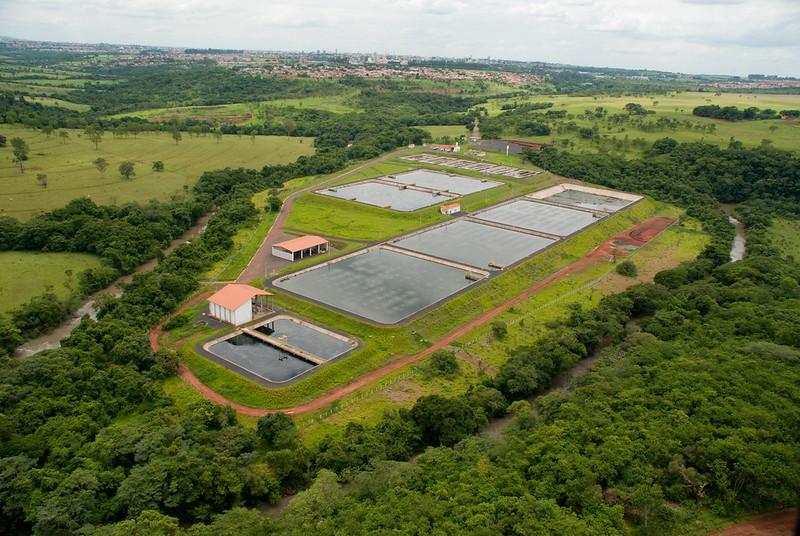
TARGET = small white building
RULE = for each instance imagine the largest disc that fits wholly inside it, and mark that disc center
(445, 148)
(237, 304)
(449, 209)
(300, 248)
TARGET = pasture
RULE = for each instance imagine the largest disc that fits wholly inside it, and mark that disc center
(243, 112)
(677, 106)
(26, 274)
(70, 172)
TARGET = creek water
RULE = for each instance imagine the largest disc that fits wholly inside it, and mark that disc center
(52, 339)
(739, 245)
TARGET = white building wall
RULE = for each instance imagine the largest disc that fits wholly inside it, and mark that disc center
(243, 314)
(282, 253)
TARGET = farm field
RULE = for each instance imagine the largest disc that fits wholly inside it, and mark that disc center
(674, 106)
(440, 131)
(26, 274)
(70, 172)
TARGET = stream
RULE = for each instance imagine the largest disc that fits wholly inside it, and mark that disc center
(739, 245)
(52, 339)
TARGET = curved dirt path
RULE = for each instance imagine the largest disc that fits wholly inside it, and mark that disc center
(611, 248)
(780, 523)
(260, 261)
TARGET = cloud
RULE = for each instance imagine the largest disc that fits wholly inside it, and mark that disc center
(719, 36)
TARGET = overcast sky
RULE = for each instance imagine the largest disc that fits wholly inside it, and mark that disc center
(692, 36)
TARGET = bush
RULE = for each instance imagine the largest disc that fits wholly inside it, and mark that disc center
(444, 363)
(277, 430)
(177, 321)
(499, 329)
(627, 269)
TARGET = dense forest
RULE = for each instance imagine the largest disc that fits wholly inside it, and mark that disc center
(692, 410)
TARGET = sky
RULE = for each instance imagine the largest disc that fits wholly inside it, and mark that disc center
(689, 36)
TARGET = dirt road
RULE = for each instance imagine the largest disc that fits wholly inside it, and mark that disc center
(261, 265)
(781, 523)
(613, 247)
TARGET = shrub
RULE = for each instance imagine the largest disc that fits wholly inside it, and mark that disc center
(627, 269)
(499, 329)
(444, 363)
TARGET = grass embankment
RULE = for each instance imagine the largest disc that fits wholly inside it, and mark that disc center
(480, 352)
(785, 235)
(381, 344)
(26, 274)
(673, 106)
(71, 174)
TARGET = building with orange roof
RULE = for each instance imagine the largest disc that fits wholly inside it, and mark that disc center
(300, 247)
(448, 209)
(238, 304)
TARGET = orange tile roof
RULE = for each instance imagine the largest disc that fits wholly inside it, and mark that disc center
(451, 205)
(234, 295)
(301, 243)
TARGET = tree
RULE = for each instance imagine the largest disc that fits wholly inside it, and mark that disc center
(10, 336)
(126, 170)
(176, 135)
(20, 152)
(217, 135)
(41, 178)
(627, 269)
(63, 135)
(2, 140)
(444, 363)
(277, 430)
(95, 135)
(499, 329)
(101, 164)
(274, 203)
(158, 166)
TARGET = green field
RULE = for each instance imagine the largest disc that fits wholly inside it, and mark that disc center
(70, 172)
(440, 131)
(242, 113)
(674, 106)
(785, 235)
(26, 274)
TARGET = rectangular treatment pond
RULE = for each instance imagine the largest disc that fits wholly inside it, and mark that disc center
(278, 350)
(589, 200)
(434, 180)
(381, 285)
(475, 244)
(259, 358)
(381, 194)
(541, 217)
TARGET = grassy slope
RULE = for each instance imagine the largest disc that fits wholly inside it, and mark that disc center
(70, 172)
(25, 274)
(678, 106)
(380, 344)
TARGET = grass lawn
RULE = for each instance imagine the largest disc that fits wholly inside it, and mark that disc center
(380, 344)
(785, 235)
(674, 106)
(26, 274)
(70, 172)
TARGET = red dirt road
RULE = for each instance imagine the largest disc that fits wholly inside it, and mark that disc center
(637, 235)
(781, 523)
